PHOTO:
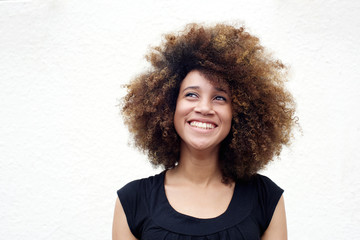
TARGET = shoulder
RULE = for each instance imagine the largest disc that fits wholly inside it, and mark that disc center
(261, 189)
(266, 186)
(134, 198)
(138, 188)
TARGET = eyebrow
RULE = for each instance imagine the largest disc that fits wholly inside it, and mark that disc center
(197, 87)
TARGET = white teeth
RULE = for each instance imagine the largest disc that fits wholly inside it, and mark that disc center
(202, 125)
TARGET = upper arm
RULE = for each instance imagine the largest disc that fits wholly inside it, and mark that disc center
(120, 230)
(277, 229)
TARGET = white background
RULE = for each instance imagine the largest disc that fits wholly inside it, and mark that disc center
(64, 150)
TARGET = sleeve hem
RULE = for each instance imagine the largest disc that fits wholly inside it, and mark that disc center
(127, 211)
(275, 200)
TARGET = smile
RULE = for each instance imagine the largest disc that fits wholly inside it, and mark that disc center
(202, 125)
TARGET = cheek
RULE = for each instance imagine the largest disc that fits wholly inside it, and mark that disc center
(182, 110)
(227, 117)
(178, 118)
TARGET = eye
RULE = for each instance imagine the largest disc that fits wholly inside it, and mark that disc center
(191, 95)
(220, 98)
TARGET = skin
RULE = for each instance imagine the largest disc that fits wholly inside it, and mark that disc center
(200, 101)
(277, 228)
(198, 174)
(120, 229)
(194, 187)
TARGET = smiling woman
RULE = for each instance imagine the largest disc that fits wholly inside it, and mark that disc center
(212, 111)
(203, 113)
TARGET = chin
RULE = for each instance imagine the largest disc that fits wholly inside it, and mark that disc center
(202, 145)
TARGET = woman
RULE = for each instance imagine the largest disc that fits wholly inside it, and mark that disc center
(212, 111)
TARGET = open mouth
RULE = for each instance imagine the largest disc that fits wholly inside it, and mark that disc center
(202, 125)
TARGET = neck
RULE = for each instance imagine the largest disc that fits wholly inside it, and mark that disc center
(199, 167)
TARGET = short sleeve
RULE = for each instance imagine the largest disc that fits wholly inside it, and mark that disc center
(268, 197)
(133, 200)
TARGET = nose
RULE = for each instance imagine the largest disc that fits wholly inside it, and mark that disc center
(204, 107)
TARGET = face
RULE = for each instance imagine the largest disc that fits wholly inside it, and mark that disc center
(203, 112)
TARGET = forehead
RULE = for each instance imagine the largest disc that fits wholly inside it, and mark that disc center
(200, 79)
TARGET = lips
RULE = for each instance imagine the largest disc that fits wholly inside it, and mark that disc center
(202, 125)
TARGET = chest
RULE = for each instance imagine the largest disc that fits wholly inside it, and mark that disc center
(203, 203)
(236, 220)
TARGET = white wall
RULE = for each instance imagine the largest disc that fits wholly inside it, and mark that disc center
(63, 148)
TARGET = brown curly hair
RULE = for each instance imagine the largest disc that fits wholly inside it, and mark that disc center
(263, 110)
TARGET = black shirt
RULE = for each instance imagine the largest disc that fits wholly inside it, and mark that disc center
(151, 217)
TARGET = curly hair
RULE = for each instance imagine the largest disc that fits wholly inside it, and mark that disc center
(263, 110)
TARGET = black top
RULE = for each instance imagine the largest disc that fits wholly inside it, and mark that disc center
(151, 217)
